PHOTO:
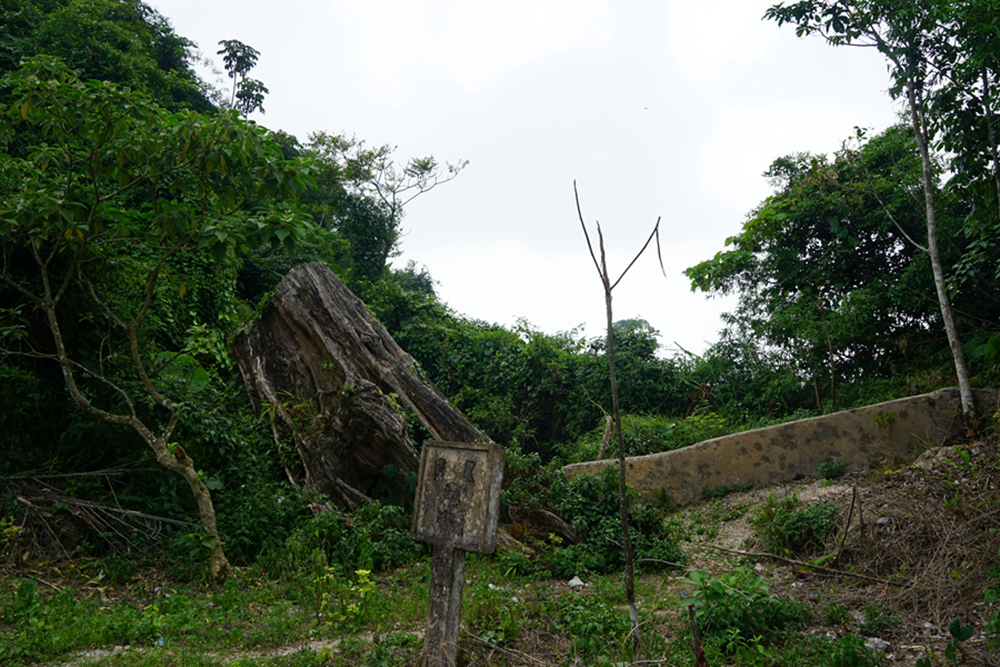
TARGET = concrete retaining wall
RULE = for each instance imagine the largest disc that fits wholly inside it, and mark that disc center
(898, 430)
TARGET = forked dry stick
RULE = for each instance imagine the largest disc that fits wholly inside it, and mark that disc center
(602, 270)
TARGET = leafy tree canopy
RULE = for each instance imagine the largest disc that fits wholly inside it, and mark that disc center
(119, 41)
(239, 59)
(100, 189)
(827, 268)
(360, 198)
(931, 49)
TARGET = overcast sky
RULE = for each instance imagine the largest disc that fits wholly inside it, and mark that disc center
(656, 108)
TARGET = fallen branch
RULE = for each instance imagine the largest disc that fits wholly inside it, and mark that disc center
(660, 560)
(505, 651)
(817, 568)
(77, 502)
(52, 586)
(105, 520)
(28, 477)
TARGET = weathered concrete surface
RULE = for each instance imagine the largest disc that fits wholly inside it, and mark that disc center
(898, 430)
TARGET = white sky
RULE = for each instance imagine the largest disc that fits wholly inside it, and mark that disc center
(656, 108)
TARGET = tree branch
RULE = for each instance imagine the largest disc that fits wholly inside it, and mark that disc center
(792, 561)
(590, 247)
(656, 233)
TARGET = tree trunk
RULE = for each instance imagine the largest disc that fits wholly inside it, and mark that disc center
(829, 349)
(633, 611)
(178, 461)
(338, 387)
(954, 342)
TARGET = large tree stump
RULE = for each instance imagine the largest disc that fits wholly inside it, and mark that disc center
(337, 385)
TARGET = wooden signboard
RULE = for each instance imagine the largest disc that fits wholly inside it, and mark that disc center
(456, 508)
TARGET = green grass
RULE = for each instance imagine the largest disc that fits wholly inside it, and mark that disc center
(249, 613)
(244, 622)
(319, 611)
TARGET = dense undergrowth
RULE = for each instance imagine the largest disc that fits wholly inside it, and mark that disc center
(353, 589)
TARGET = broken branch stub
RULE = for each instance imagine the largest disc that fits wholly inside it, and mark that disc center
(337, 386)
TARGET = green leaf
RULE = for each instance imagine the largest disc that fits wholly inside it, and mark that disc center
(950, 651)
(186, 369)
(958, 632)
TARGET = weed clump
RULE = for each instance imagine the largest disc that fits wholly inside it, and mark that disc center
(785, 527)
(650, 434)
(375, 537)
(720, 492)
(593, 624)
(831, 469)
(591, 504)
(878, 620)
(739, 603)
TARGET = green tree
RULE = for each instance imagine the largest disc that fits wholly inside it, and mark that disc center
(963, 108)
(101, 188)
(413, 280)
(238, 59)
(358, 206)
(530, 391)
(823, 268)
(905, 33)
(362, 193)
(745, 379)
(646, 383)
(120, 41)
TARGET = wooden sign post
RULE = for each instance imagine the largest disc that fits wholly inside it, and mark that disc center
(456, 509)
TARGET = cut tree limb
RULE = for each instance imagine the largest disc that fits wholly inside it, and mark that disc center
(806, 565)
(338, 387)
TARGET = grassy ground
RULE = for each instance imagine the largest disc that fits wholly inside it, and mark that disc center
(906, 551)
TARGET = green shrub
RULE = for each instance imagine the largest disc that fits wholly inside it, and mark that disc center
(34, 628)
(489, 613)
(515, 563)
(878, 620)
(593, 625)
(187, 552)
(720, 492)
(397, 648)
(649, 434)
(738, 604)
(834, 614)
(591, 503)
(992, 594)
(527, 482)
(847, 651)
(785, 527)
(831, 469)
(387, 527)
(374, 537)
